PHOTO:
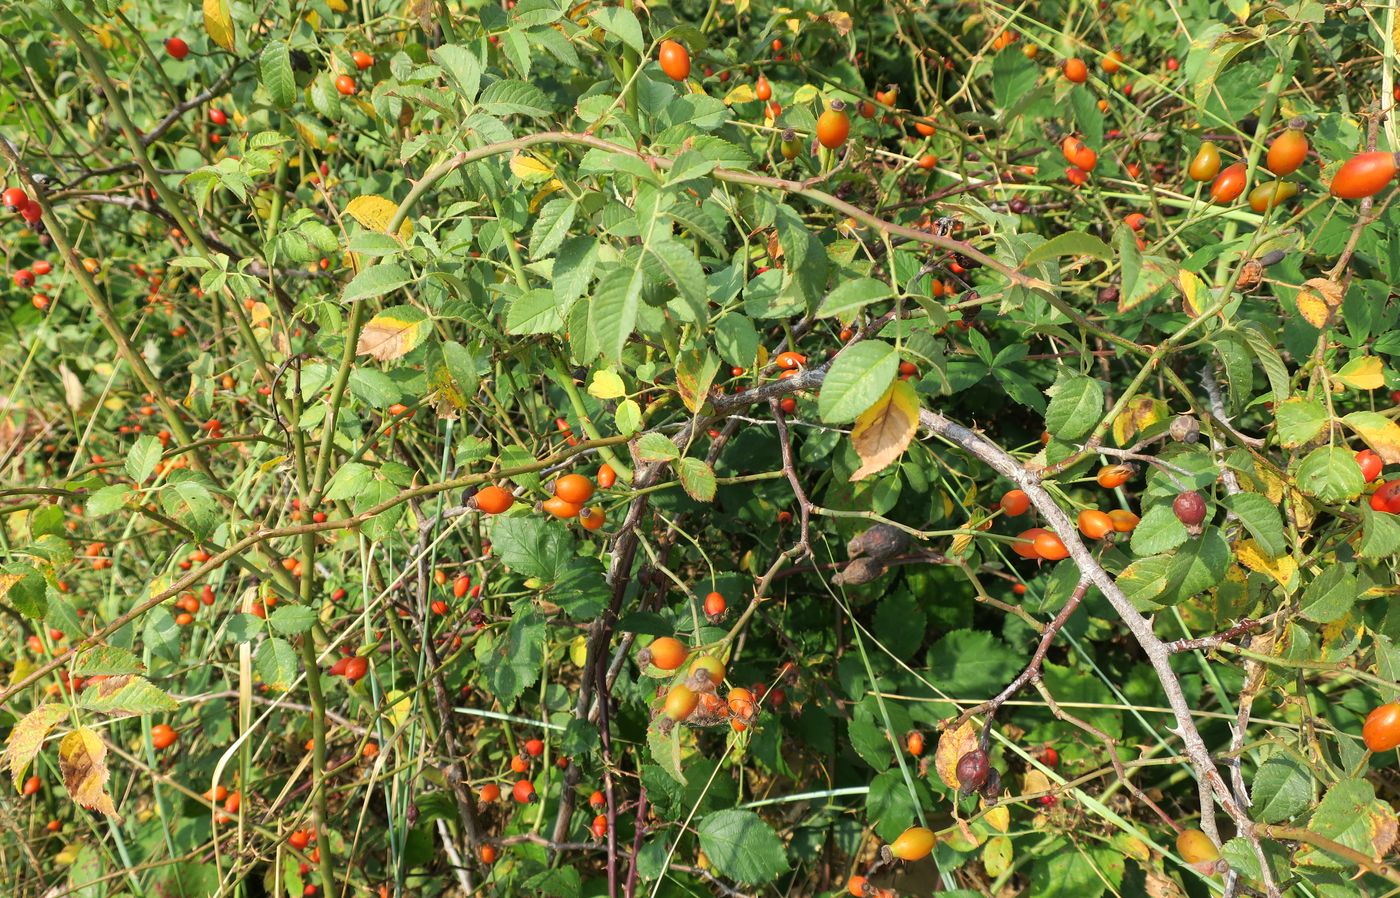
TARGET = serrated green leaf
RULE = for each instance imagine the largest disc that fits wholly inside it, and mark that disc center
(857, 379)
(275, 71)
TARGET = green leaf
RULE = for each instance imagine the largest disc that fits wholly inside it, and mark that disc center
(1282, 789)
(462, 67)
(900, 624)
(561, 882)
(107, 660)
(1261, 518)
(1269, 360)
(677, 262)
(1197, 566)
(125, 695)
(1076, 406)
(108, 499)
(666, 752)
(276, 663)
(289, 620)
(275, 70)
(534, 312)
(851, 296)
(1380, 533)
(1345, 814)
(857, 379)
(737, 340)
(552, 226)
(530, 546)
(696, 478)
(514, 98)
(374, 281)
(620, 22)
(1299, 421)
(24, 588)
(612, 312)
(349, 481)
(161, 634)
(1144, 581)
(141, 461)
(1330, 596)
(742, 846)
(1331, 474)
(1070, 243)
(510, 662)
(653, 447)
(971, 661)
(1159, 531)
(889, 806)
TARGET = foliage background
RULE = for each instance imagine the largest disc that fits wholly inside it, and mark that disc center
(308, 332)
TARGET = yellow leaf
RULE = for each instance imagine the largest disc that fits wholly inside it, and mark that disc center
(1362, 373)
(1379, 432)
(998, 818)
(1034, 783)
(606, 385)
(1283, 569)
(1191, 292)
(578, 651)
(338, 5)
(27, 737)
(82, 760)
(952, 745)
(741, 93)
(551, 187)
(529, 169)
(23, 668)
(399, 705)
(219, 23)
(377, 213)
(805, 94)
(1318, 301)
(394, 333)
(883, 431)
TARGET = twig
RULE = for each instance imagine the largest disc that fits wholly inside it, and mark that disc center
(1247, 625)
(1032, 669)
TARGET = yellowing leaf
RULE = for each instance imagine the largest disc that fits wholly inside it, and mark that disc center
(377, 213)
(529, 169)
(399, 706)
(741, 93)
(1192, 293)
(840, 21)
(219, 23)
(394, 333)
(883, 431)
(952, 745)
(82, 760)
(1318, 301)
(1141, 413)
(1034, 783)
(1283, 569)
(998, 818)
(1379, 432)
(551, 187)
(27, 736)
(996, 856)
(72, 387)
(805, 94)
(606, 385)
(338, 5)
(1362, 373)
